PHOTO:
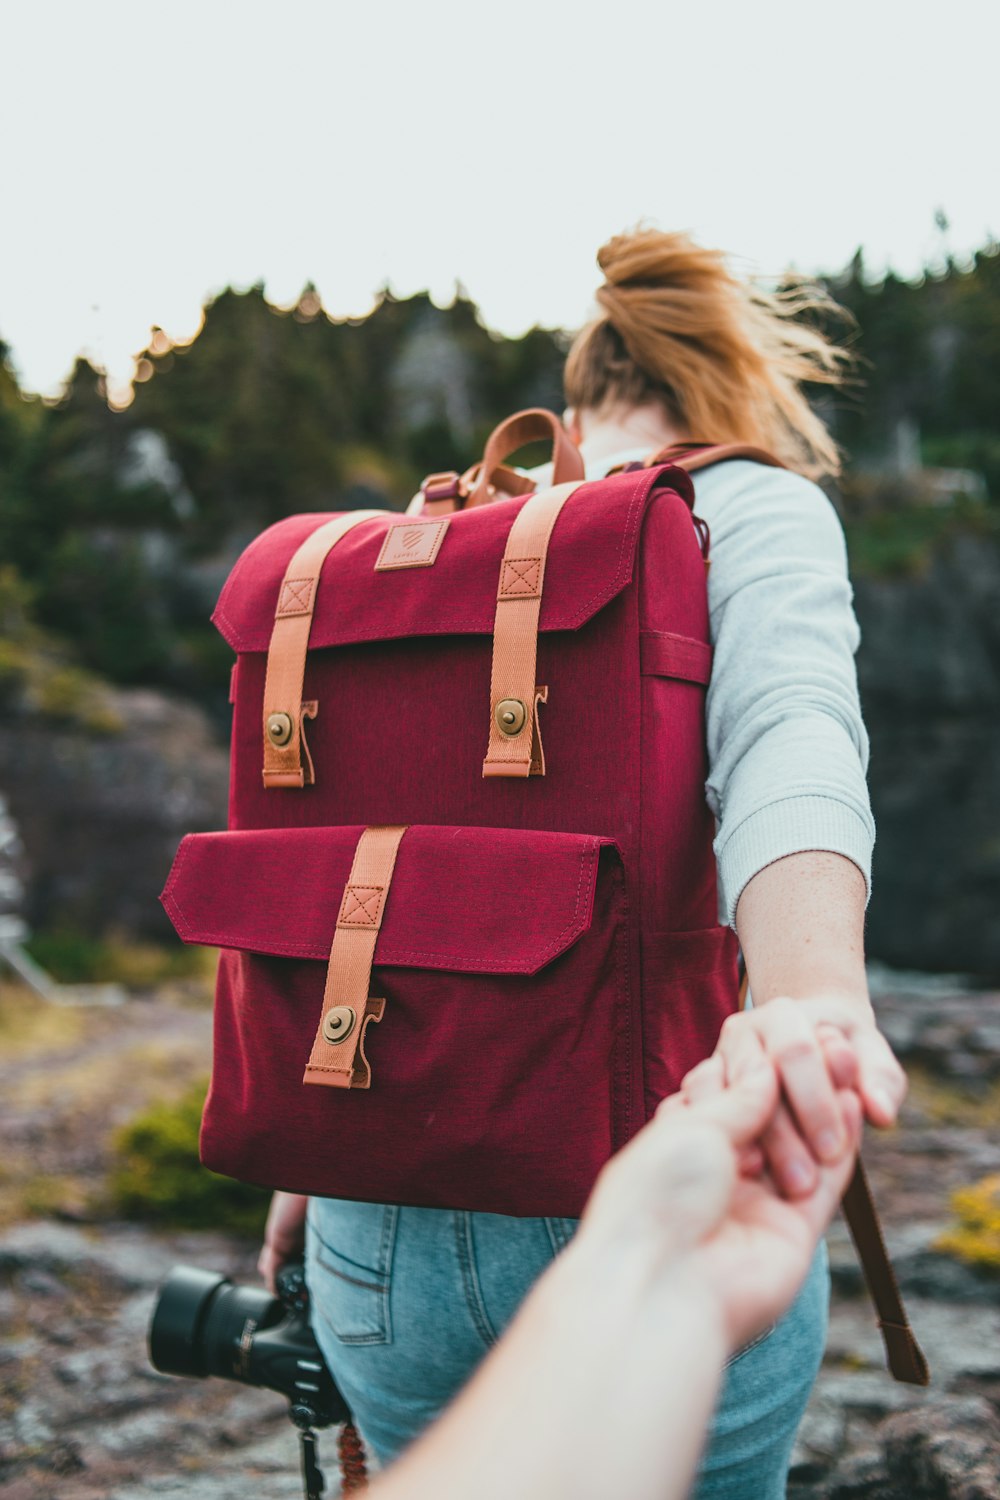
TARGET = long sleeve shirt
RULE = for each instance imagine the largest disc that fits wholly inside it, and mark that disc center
(787, 747)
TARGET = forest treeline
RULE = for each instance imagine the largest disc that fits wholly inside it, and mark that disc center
(116, 526)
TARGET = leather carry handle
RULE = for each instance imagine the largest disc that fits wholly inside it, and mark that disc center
(338, 1056)
(534, 425)
(904, 1355)
(515, 743)
(287, 762)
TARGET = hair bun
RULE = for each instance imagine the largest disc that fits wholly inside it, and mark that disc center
(725, 357)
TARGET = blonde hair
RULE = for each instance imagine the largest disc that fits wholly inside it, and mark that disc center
(725, 357)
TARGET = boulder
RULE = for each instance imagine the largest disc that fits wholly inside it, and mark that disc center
(100, 811)
(929, 669)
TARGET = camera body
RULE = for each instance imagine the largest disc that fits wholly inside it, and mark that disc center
(204, 1325)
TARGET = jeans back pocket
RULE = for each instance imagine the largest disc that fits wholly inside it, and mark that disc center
(349, 1249)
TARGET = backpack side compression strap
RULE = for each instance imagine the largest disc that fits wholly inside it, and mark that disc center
(287, 762)
(904, 1355)
(515, 744)
(338, 1051)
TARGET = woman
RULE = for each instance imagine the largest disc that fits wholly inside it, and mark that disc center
(684, 351)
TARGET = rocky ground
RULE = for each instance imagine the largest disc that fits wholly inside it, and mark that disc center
(84, 1417)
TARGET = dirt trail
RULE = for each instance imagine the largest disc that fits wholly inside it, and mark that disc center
(84, 1417)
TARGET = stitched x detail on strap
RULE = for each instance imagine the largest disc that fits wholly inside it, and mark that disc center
(515, 636)
(296, 596)
(341, 1063)
(287, 762)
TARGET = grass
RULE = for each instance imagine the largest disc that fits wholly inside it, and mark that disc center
(75, 957)
(29, 1025)
(157, 1177)
(970, 1108)
(70, 1074)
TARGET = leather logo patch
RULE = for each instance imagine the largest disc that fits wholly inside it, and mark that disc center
(411, 544)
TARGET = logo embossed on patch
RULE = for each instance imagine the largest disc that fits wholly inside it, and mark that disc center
(411, 544)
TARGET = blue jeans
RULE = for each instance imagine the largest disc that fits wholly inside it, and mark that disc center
(407, 1301)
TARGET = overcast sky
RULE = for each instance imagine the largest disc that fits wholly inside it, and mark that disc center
(152, 153)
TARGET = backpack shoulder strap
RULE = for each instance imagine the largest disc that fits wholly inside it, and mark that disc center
(692, 456)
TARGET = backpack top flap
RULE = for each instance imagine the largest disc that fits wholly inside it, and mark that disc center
(468, 900)
(590, 560)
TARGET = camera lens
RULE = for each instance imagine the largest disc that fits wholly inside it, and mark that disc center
(176, 1334)
(204, 1325)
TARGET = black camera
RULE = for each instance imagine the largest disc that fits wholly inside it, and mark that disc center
(205, 1325)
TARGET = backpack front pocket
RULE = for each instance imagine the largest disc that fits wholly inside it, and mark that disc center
(500, 1068)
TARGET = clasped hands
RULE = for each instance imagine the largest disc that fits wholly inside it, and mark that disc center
(742, 1168)
(819, 1048)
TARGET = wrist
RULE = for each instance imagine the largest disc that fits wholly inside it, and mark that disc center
(849, 999)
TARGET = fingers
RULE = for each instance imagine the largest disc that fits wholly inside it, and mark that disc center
(839, 1055)
(750, 1161)
(267, 1267)
(881, 1080)
(819, 1207)
(740, 1109)
(789, 1037)
(705, 1080)
(788, 1157)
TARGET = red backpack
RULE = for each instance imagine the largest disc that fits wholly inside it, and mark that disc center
(467, 899)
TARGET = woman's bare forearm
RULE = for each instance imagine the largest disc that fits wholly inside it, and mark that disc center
(800, 923)
(604, 1385)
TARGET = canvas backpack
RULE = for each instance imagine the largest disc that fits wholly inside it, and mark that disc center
(466, 901)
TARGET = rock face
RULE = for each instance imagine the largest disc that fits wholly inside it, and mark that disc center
(100, 815)
(929, 668)
(865, 1437)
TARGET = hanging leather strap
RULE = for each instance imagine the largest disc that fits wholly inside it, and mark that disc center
(904, 1355)
(515, 743)
(287, 762)
(338, 1052)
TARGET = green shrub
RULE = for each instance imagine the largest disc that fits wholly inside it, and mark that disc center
(75, 957)
(902, 543)
(157, 1176)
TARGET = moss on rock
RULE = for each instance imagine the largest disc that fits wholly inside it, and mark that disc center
(975, 1237)
(158, 1177)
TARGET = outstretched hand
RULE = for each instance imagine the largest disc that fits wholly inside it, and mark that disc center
(679, 1188)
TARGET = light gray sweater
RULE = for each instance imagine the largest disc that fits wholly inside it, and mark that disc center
(787, 747)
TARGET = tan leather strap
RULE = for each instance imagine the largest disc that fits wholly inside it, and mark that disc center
(287, 762)
(904, 1355)
(514, 695)
(338, 1052)
(530, 426)
(693, 456)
